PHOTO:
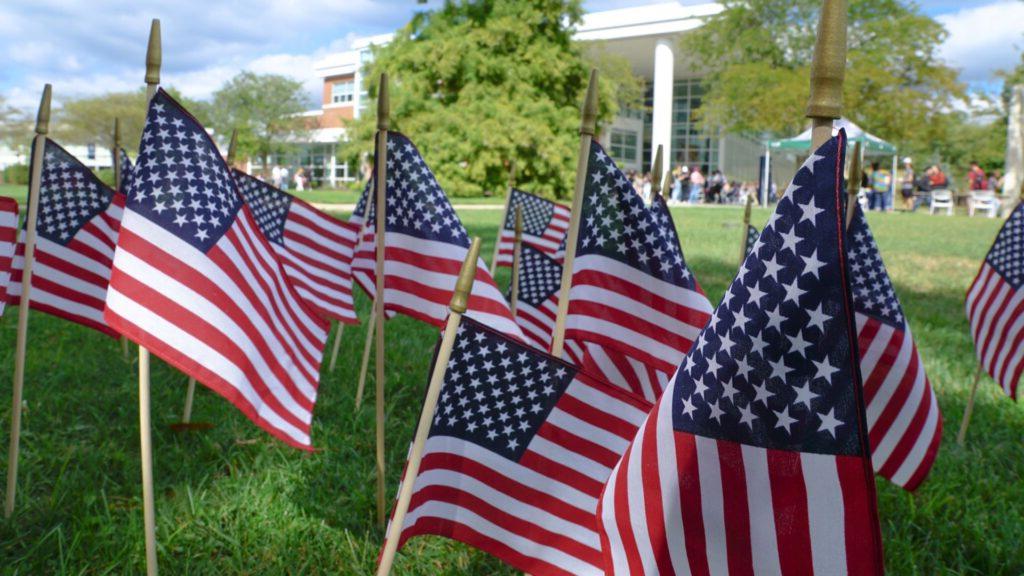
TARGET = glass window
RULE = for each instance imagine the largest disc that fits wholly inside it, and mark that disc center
(342, 91)
(90, 151)
(624, 145)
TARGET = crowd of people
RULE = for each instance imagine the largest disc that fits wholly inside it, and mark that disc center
(914, 188)
(690, 185)
(283, 178)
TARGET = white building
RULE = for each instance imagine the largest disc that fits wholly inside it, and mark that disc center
(646, 36)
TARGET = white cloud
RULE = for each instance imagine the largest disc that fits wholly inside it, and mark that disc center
(984, 39)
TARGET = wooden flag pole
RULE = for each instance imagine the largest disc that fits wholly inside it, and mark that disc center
(655, 170)
(666, 185)
(828, 71)
(336, 347)
(371, 329)
(38, 153)
(504, 213)
(962, 434)
(853, 185)
(746, 228)
(458, 305)
(517, 255)
(383, 111)
(588, 126)
(153, 57)
(118, 184)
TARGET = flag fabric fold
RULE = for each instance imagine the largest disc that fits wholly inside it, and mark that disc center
(635, 308)
(315, 248)
(755, 460)
(544, 225)
(126, 169)
(520, 446)
(8, 241)
(76, 231)
(425, 245)
(904, 421)
(540, 279)
(995, 306)
(196, 283)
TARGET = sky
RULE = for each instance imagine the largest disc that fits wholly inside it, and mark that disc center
(87, 47)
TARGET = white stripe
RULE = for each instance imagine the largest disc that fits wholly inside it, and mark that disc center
(985, 322)
(1003, 316)
(621, 333)
(638, 512)
(1010, 359)
(891, 384)
(633, 307)
(764, 545)
(209, 358)
(610, 526)
(917, 453)
(869, 358)
(590, 468)
(825, 513)
(70, 307)
(651, 284)
(881, 453)
(609, 371)
(573, 425)
(977, 289)
(433, 310)
(668, 479)
(643, 377)
(712, 504)
(594, 397)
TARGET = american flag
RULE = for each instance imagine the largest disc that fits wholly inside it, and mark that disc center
(540, 278)
(315, 249)
(8, 240)
(76, 231)
(752, 235)
(126, 169)
(995, 306)
(755, 459)
(197, 284)
(635, 308)
(544, 225)
(425, 246)
(904, 421)
(520, 447)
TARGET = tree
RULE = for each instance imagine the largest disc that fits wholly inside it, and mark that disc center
(15, 126)
(479, 83)
(896, 84)
(264, 108)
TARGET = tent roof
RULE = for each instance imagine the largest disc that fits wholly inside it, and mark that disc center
(854, 133)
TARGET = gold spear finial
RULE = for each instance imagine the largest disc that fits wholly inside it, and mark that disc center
(153, 54)
(383, 104)
(232, 144)
(464, 285)
(828, 68)
(589, 123)
(43, 117)
(853, 184)
(655, 170)
(666, 183)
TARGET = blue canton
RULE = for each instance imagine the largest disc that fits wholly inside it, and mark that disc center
(269, 206)
(774, 367)
(126, 168)
(180, 181)
(871, 288)
(539, 276)
(359, 214)
(537, 212)
(1007, 254)
(497, 393)
(752, 235)
(70, 195)
(615, 223)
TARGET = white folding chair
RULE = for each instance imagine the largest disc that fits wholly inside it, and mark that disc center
(942, 199)
(984, 200)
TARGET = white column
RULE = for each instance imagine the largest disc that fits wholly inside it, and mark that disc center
(664, 82)
(333, 166)
(1015, 144)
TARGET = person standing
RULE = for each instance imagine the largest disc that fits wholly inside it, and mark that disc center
(284, 178)
(976, 179)
(881, 183)
(275, 176)
(907, 180)
(300, 179)
(697, 182)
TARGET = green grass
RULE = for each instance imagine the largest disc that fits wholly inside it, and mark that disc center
(234, 501)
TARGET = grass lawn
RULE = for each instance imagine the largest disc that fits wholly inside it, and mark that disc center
(235, 501)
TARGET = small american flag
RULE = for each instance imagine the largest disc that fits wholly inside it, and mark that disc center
(315, 248)
(540, 278)
(635, 307)
(904, 421)
(126, 169)
(196, 282)
(76, 232)
(425, 246)
(752, 235)
(8, 240)
(755, 459)
(995, 306)
(520, 447)
(544, 225)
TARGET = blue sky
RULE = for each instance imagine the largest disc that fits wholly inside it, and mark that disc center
(93, 46)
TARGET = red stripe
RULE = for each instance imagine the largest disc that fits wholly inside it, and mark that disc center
(915, 429)
(690, 501)
(601, 418)
(900, 394)
(789, 506)
(624, 514)
(863, 540)
(654, 505)
(675, 307)
(577, 444)
(1003, 348)
(735, 508)
(1010, 384)
(624, 347)
(929, 458)
(564, 471)
(973, 302)
(984, 314)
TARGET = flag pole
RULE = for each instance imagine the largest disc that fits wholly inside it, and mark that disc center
(655, 170)
(504, 212)
(828, 71)
(746, 228)
(38, 153)
(153, 57)
(853, 185)
(116, 156)
(458, 305)
(371, 329)
(588, 126)
(383, 112)
(517, 255)
(962, 434)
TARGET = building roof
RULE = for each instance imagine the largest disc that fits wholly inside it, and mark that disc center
(663, 19)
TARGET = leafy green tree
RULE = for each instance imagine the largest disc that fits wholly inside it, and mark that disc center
(896, 84)
(15, 126)
(479, 83)
(264, 108)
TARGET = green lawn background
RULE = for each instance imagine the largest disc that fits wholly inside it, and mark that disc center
(234, 501)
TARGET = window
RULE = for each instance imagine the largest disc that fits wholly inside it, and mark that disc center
(623, 145)
(342, 92)
(90, 151)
